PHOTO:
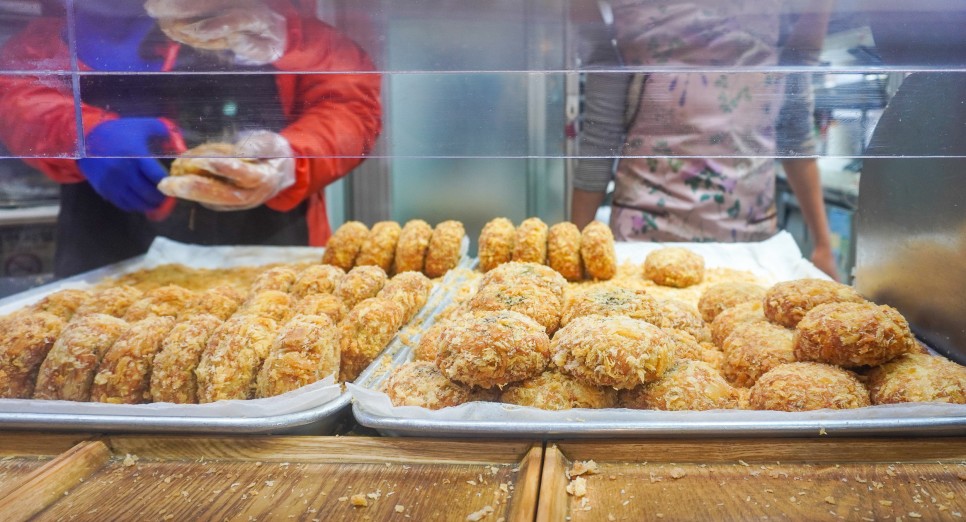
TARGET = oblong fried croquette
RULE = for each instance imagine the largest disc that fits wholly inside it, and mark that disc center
(563, 251)
(305, 350)
(428, 345)
(853, 334)
(23, 346)
(804, 386)
(163, 301)
(321, 304)
(360, 283)
(279, 278)
(173, 373)
(721, 296)
(410, 290)
(530, 241)
(615, 351)
(220, 301)
(272, 304)
(681, 316)
(234, 354)
(63, 303)
(787, 302)
(413, 243)
(597, 251)
(68, 370)
(344, 245)
(123, 376)
(316, 279)
(687, 385)
(496, 243)
(607, 300)
(534, 301)
(726, 321)
(753, 349)
(113, 301)
(915, 377)
(493, 349)
(674, 266)
(557, 391)
(443, 253)
(365, 332)
(538, 274)
(379, 247)
(421, 383)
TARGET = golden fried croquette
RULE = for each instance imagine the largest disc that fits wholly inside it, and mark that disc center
(123, 377)
(534, 301)
(563, 251)
(687, 347)
(410, 290)
(679, 315)
(321, 304)
(725, 322)
(316, 279)
(63, 303)
(493, 349)
(674, 266)
(234, 354)
(744, 398)
(597, 251)
(113, 301)
(24, 344)
(497, 240)
(68, 371)
(540, 275)
(530, 242)
(443, 253)
(853, 334)
(421, 383)
(305, 350)
(365, 332)
(804, 386)
(344, 245)
(915, 377)
(379, 248)
(754, 348)
(787, 302)
(687, 385)
(163, 301)
(272, 304)
(721, 296)
(360, 283)
(615, 351)
(173, 373)
(557, 391)
(220, 301)
(428, 345)
(413, 243)
(609, 300)
(279, 278)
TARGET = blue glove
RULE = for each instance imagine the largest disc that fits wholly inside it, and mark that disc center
(130, 183)
(112, 41)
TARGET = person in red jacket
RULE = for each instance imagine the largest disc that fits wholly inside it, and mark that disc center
(298, 132)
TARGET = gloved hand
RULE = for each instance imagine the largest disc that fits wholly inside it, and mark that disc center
(112, 41)
(130, 183)
(263, 167)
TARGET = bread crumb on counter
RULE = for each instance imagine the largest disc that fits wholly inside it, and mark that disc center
(359, 500)
(577, 487)
(480, 515)
(583, 467)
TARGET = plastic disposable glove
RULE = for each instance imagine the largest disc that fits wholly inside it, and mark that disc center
(264, 167)
(108, 42)
(130, 183)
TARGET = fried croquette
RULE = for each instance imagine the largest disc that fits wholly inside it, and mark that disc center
(915, 377)
(530, 242)
(563, 251)
(233, 357)
(804, 386)
(410, 290)
(497, 240)
(677, 267)
(853, 334)
(220, 301)
(113, 301)
(609, 300)
(721, 296)
(63, 303)
(787, 302)
(123, 377)
(687, 385)
(540, 275)
(322, 304)
(428, 345)
(306, 350)
(753, 349)
(672, 313)
(23, 346)
(615, 351)
(443, 253)
(557, 391)
(68, 371)
(344, 245)
(687, 347)
(493, 349)
(279, 278)
(421, 383)
(379, 248)
(413, 243)
(597, 251)
(272, 304)
(316, 279)
(534, 301)
(360, 283)
(173, 373)
(725, 322)
(365, 332)
(164, 301)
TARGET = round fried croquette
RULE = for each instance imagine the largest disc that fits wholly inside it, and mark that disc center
(306, 350)
(674, 266)
(124, 374)
(687, 347)
(597, 251)
(787, 302)
(428, 345)
(719, 297)
(63, 303)
(317, 279)
(687, 385)
(609, 300)
(443, 253)
(615, 351)
(492, 349)
(24, 344)
(726, 321)
(279, 278)
(173, 373)
(379, 248)
(322, 304)
(805, 386)
(67, 372)
(556, 391)
(113, 301)
(915, 377)
(163, 301)
(410, 290)
(530, 244)
(744, 398)
(533, 301)
(563, 251)
(421, 383)
(221, 302)
(755, 348)
(343, 247)
(233, 356)
(272, 304)
(413, 243)
(681, 316)
(360, 283)
(496, 243)
(365, 332)
(540, 275)
(853, 334)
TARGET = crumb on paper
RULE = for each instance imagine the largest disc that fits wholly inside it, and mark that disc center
(480, 515)
(359, 500)
(130, 460)
(400, 508)
(677, 473)
(583, 467)
(577, 487)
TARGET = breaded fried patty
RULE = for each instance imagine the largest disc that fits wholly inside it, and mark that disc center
(365, 332)
(279, 278)
(916, 377)
(563, 251)
(233, 357)
(408, 289)
(272, 304)
(422, 384)
(413, 243)
(163, 301)
(534, 301)
(687, 347)
(755, 348)
(725, 322)
(113, 301)
(360, 283)
(123, 377)
(316, 279)
(679, 315)
(530, 245)
(556, 391)
(173, 373)
(379, 248)
(321, 304)
(221, 302)
(597, 251)
(63, 303)
(344, 245)
(540, 275)
(674, 266)
(445, 244)
(609, 300)
(429, 342)
(68, 371)
(497, 240)
(787, 302)
(688, 385)
(306, 350)
(721, 296)
(804, 386)
(853, 335)
(24, 344)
